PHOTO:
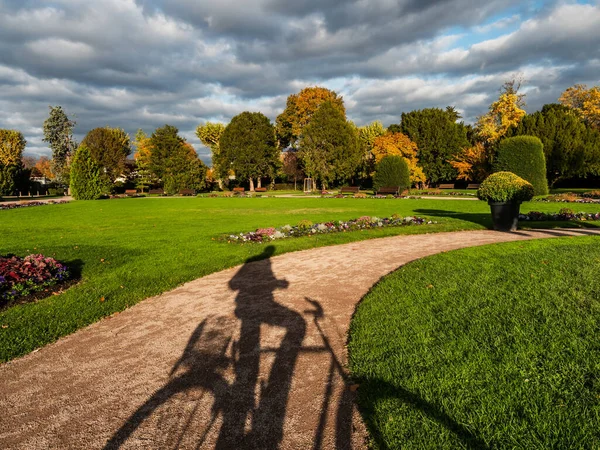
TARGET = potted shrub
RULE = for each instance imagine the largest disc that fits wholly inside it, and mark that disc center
(504, 192)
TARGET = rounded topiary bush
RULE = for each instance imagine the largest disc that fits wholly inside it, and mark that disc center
(392, 171)
(505, 187)
(87, 181)
(524, 156)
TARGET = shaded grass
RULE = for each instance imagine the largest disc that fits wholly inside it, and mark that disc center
(487, 347)
(130, 249)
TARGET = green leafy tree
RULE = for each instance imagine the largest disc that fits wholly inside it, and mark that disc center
(571, 147)
(299, 110)
(249, 148)
(165, 141)
(109, 147)
(439, 139)
(87, 178)
(367, 136)
(329, 147)
(392, 171)
(58, 132)
(184, 170)
(210, 135)
(523, 156)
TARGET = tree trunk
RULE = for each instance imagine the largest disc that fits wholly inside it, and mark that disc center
(295, 183)
(251, 185)
(259, 182)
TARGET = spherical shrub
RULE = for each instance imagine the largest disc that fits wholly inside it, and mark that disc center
(392, 171)
(505, 187)
(524, 156)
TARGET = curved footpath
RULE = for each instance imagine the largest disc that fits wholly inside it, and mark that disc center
(250, 357)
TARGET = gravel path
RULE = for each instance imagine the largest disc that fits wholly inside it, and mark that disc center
(250, 357)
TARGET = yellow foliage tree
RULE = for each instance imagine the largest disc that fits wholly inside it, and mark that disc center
(12, 144)
(504, 113)
(584, 101)
(472, 164)
(299, 110)
(399, 144)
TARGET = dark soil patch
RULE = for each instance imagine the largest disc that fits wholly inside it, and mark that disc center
(56, 289)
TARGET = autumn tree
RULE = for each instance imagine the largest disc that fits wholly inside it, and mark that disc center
(12, 171)
(504, 113)
(585, 102)
(438, 137)
(44, 167)
(299, 110)
(210, 135)
(58, 132)
(473, 163)
(329, 147)
(366, 137)
(248, 147)
(571, 146)
(398, 144)
(142, 157)
(109, 147)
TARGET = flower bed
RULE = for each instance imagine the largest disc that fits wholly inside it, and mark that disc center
(307, 228)
(562, 215)
(588, 197)
(20, 277)
(32, 203)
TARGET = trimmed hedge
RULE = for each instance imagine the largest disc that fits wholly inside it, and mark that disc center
(505, 187)
(524, 156)
(87, 182)
(392, 171)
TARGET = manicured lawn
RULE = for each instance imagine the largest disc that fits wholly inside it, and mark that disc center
(488, 347)
(130, 249)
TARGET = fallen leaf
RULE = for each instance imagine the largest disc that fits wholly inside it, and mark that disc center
(430, 286)
(101, 259)
(101, 299)
(353, 387)
(4, 327)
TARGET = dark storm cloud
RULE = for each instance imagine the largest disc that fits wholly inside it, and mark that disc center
(146, 63)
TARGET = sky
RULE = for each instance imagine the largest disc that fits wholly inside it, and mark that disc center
(145, 63)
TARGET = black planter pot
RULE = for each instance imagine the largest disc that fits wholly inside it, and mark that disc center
(505, 216)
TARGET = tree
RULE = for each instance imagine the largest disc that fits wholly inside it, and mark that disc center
(248, 147)
(585, 102)
(210, 135)
(398, 144)
(329, 148)
(366, 137)
(291, 166)
(523, 156)
(12, 145)
(299, 111)
(144, 176)
(87, 180)
(109, 147)
(184, 170)
(439, 139)
(473, 163)
(504, 113)
(571, 147)
(44, 167)
(58, 132)
(164, 142)
(392, 171)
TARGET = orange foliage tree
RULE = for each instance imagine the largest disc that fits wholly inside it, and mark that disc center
(299, 110)
(472, 164)
(399, 144)
(44, 167)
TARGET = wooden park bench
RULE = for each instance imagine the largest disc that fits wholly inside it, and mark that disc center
(187, 192)
(446, 186)
(238, 190)
(387, 190)
(260, 189)
(473, 186)
(130, 192)
(349, 190)
(156, 192)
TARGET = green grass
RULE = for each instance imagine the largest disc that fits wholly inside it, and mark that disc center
(151, 245)
(488, 347)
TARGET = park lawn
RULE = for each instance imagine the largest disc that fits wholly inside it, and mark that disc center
(486, 347)
(130, 249)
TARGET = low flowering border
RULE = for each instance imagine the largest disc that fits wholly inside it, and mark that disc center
(29, 204)
(562, 215)
(20, 277)
(307, 228)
